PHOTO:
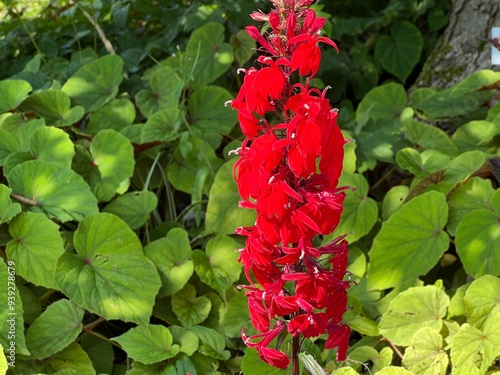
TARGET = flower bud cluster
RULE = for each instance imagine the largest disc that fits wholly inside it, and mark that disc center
(288, 171)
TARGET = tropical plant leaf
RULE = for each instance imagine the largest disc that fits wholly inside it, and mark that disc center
(53, 190)
(223, 214)
(383, 102)
(425, 355)
(411, 310)
(54, 106)
(116, 115)
(55, 329)
(166, 87)
(7, 209)
(474, 350)
(133, 208)
(35, 247)
(72, 358)
(148, 344)
(218, 265)
(190, 310)
(410, 243)
(477, 240)
(172, 257)
(13, 92)
(95, 83)
(108, 255)
(482, 300)
(400, 53)
(207, 56)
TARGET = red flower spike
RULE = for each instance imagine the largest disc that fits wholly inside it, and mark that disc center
(288, 172)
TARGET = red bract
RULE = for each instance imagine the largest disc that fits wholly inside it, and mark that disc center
(288, 172)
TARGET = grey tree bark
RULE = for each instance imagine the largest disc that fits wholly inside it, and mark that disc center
(464, 47)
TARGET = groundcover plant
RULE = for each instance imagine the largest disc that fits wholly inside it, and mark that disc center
(118, 203)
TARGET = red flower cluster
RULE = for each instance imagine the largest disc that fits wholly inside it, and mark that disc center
(288, 172)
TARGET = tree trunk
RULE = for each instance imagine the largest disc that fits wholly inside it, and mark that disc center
(464, 47)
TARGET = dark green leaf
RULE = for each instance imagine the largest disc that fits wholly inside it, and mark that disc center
(400, 52)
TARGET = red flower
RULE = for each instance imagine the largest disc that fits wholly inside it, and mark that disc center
(288, 172)
(307, 56)
(338, 337)
(274, 357)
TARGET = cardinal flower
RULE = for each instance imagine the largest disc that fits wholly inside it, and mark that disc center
(288, 171)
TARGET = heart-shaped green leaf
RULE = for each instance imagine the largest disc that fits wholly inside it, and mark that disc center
(162, 126)
(52, 145)
(108, 165)
(475, 194)
(430, 138)
(394, 200)
(187, 340)
(243, 46)
(7, 209)
(98, 277)
(115, 115)
(190, 310)
(218, 265)
(54, 106)
(192, 154)
(207, 56)
(477, 240)
(235, 315)
(148, 343)
(482, 300)
(166, 87)
(383, 102)
(411, 310)
(35, 247)
(400, 52)
(172, 257)
(56, 328)
(472, 350)
(95, 83)
(52, 190)
(223, 214)
(426, 355)
(208, 113)
(133, 208)
(421, 164)
(212, 343)
(8, 145)
(13, 92)
(72, 358)
(410, 243)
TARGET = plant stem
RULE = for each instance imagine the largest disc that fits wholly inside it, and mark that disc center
(384, 177)
(295, 355)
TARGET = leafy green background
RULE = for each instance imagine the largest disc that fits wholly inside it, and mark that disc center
(118, 204)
